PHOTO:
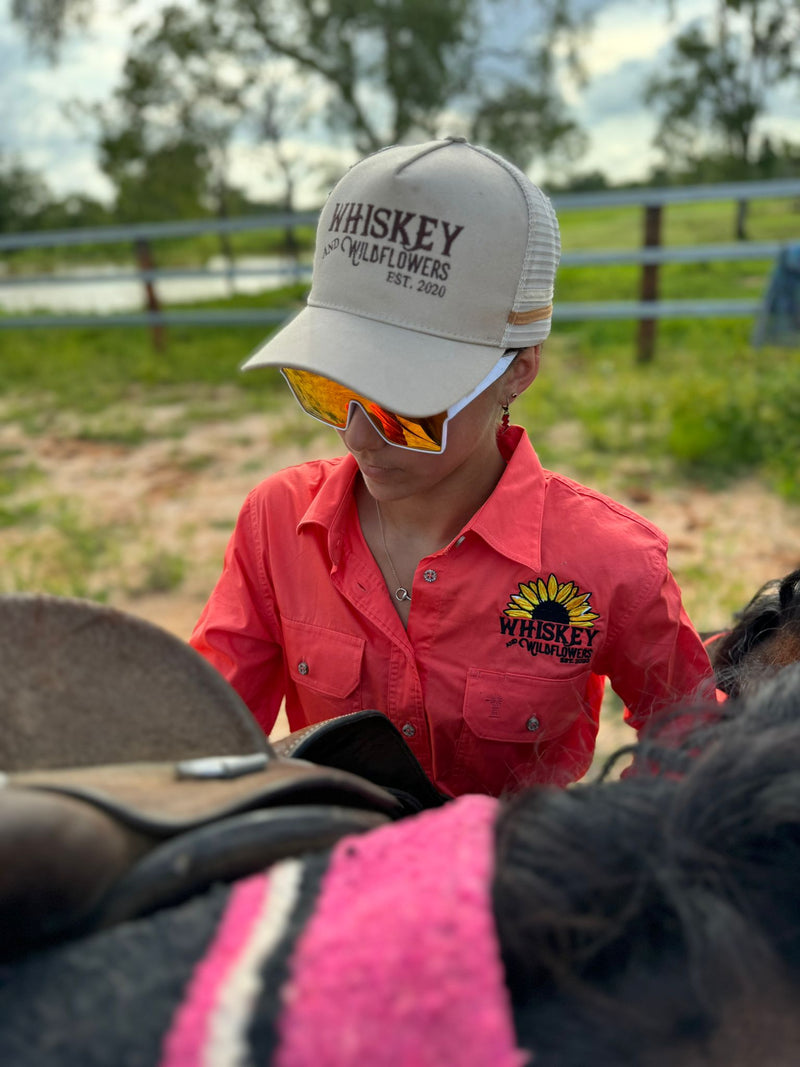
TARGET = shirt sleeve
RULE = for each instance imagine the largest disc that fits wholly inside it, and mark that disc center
(659, 661)
(237, 631)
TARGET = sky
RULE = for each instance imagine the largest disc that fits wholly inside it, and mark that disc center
(628, 43)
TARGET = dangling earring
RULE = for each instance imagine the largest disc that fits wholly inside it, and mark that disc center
(504, 419)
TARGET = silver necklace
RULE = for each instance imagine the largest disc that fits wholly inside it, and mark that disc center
(400, 593)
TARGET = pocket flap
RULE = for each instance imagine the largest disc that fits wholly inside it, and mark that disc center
(322, 660)
(499, 706)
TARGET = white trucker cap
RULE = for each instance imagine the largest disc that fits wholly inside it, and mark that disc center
(431, 260)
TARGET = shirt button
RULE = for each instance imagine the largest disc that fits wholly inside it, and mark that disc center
(532, 724)
(460, 541)
(430, 576)
(302, 667)
(409, 730)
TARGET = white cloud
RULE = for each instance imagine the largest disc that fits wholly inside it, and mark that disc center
(620, 147)
(617, 92)
(631, 31)
(317, 166)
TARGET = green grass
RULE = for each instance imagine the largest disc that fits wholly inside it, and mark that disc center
(88, 369)
(161, 572)
(676, 281)
(65, 554)
(708, 408)
(706, 222)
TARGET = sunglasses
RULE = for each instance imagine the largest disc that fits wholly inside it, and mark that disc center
(332, 403)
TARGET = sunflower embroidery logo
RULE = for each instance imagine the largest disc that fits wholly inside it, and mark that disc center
(551, 618)
(555, 601)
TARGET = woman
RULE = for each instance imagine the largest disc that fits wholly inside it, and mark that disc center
(437, 572)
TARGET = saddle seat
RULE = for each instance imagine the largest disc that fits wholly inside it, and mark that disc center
(132, 776)
(82, 849)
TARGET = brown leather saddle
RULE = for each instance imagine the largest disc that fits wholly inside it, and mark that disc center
(132, 776)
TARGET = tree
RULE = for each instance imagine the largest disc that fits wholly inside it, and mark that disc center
(24, 196)
(284, 108)
(389, 65)
(521, 120)
(175, 107)
(153, 183)
(75, 211)
(384, 71)
(716, 89)
(718, 84)
(400, 69)
(28, 203)
(47, 22)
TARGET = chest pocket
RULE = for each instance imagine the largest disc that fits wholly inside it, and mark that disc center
(325, 668)
(520, 728)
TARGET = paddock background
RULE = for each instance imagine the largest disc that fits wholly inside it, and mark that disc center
(122, 467)
(180, 498)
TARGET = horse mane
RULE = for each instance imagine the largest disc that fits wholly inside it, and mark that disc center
(655, 919)
(764, 637)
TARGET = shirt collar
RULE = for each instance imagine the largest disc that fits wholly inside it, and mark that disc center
(510, 521)
(331, 504)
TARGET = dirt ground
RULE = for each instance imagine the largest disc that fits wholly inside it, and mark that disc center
(181, 496)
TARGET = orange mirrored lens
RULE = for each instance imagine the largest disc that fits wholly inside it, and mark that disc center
(320, 397)
(330, 402)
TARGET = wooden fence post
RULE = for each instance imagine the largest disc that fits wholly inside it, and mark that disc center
(144, 259)
(649, 285)
(741, 219)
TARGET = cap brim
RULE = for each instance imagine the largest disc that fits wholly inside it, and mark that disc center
(405, 370)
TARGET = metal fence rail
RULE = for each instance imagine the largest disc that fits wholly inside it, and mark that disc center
(754, 250)
(571, 312)
(155, 274)
(153, 231)
(650, 256)
(148, 231)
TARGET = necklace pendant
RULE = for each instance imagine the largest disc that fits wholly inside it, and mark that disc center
(402, 594)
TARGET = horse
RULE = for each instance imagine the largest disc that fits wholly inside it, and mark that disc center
(764, 636)
(654, 920)
(636, 923)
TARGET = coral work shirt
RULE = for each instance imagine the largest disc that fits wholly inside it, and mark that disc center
(498, 679)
